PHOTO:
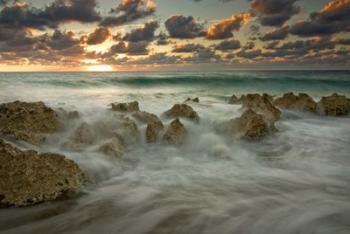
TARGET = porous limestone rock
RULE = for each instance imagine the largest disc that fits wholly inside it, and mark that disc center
(175, 133)
(28, 121)
(126, 107)
(182, 111)
(334, 105)
(29, 177)
(114, 148)
(300, 102)
(154, 125)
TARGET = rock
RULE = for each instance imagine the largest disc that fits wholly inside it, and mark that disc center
(268, 96)
(128, 131)
(193, 100)
(261, 105)
(84, 135)
(68, 114)
(182, 111)
(334, 105)
(234, 100)
(300, 102)
(114, 148)
(154, 125)
(29, 177)
(175, 133)
(126, 107)
(250, 126)
(30, 122)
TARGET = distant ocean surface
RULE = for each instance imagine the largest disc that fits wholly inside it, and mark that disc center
(297, 180)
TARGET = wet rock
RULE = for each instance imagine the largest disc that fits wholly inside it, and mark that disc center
(126, 107)
(30, 122)
(175, 133)
(268, 96)
(300, 102)
(261, 105)
(193, 100)
(147, 118)
(68, 114)
(128, 131)
(114, 148)
(84, 134)
(154, 125)
(29, 177)
(234, 100)
(334, 105)
(249, 126)
(182, 111)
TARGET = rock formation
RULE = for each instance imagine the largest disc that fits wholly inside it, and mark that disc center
(234, 100)
(182, 111)
(126, 107)
(29, 177)
(334, 105)
(30, 122)
(114, 148)
(175, 133)
(193, 100)
(300, 102)
(154, 125)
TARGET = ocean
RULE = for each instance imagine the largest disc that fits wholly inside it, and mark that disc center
(296, 180)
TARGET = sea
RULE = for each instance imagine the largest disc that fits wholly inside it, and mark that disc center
(294, 181)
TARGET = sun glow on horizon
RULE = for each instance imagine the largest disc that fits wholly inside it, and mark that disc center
(100, 68)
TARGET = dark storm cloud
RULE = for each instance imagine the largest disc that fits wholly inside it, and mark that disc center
(187, 48)
(99, 36)
(278, 34)
(61, 40)
(224, 29)
(228, 45)
(274, 12)
(184, 27)
(128, 11)
(162, 39)
(20, 15)
(144, 33)
(333, 18)
(130, 48)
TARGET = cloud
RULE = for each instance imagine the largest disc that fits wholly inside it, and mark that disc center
(187, 48)
(128, 11)
(277, 34)
(274, 12)
(130, 48)
(183, 27)
(99, 36)
(224, 29)
(228, 45)
(144, 33)
(333, 18)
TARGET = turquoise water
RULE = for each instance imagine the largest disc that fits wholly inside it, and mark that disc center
(294, 181)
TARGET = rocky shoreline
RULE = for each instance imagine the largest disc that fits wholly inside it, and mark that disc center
(30, 177)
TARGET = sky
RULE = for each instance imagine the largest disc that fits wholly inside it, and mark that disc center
(142, 35)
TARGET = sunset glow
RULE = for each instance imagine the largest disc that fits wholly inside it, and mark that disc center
(100, 68)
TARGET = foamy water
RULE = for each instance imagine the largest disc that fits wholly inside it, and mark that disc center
(294, 181)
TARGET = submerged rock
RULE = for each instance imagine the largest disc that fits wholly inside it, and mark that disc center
(193, 100)
(175, 133)
(261, 105)
(126, 107)
(114, 148)
(128, 131)
(334, 105)
(29, 177)
(249, 126)
(154, 125)
(84, 134)
(234, 100)
(300, 102)
(30, 122)
(182, 111)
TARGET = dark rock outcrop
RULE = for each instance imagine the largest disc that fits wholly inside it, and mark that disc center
(300, 102)
(182, 111)
(193, 100)
(126, 107)
(334, 105)
(30, 122)
(249, 126)
(29, 177)
(154, 125)
(114, 148)
(234, 100)
(175, 133)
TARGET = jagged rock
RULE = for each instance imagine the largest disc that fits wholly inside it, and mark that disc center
(193, 100)
(334, 105)
(29, 177)
(300, 102)
(30, 122)
(84, 134)
(234, 100)
(249, 126)
(175, 133)
(182, 111)
(128, 131)
(268, 96)
(154, 125)
(261, 105)
(114, 148)
(126, 107)
(68, 114)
